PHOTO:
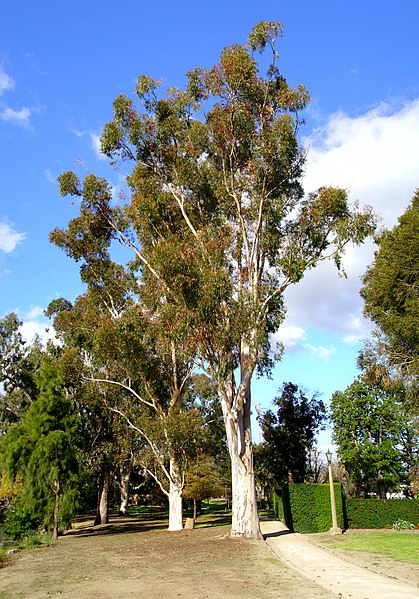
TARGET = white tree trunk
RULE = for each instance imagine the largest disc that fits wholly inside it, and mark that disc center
(245, 519)
(175, 497)
(103, 497)
(124, 490)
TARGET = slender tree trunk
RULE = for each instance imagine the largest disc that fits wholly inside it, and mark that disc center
(124, 490)
(103, 497)
(54, 536)
(175, 497)
(194, 509)
(245, 519)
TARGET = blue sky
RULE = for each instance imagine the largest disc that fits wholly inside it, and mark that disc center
(62, 64)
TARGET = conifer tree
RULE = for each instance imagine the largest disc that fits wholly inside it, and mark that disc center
(40, 449)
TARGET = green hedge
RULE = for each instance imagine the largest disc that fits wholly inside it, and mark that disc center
(381, 513)
(306, 508)
(309, 507)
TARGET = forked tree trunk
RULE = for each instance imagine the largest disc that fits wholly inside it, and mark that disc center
(124, 490)
(175, 497)
(103, 497)
(245, 518)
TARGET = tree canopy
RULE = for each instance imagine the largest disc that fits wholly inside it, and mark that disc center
(216, 221)
(41, 450)
(289, 432)
(373, 436)
(391, 294)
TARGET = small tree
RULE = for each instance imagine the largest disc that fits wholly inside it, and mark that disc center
(202, 481)
(368, 429)
(289, 432)
(40, 449)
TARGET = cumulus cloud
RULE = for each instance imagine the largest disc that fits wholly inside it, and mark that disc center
(17, 117)
(374, 157)
(33, 328)
(9, 238)
(320, 351)
(6, 82)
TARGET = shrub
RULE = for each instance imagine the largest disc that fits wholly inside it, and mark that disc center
(403, 525)
(307, 508)
(20, 522)
(381, 513)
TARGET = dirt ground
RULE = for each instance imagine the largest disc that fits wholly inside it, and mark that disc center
(133, 557)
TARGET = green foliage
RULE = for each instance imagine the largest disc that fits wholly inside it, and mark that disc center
(403, 525)
(381, 513)
(368, 428)
(203, 481)
(21, 522)
(307, 508)
(391, 295)
(390, 288)
(214, 221)
(40, 450)
(288, 434)
(19, 364)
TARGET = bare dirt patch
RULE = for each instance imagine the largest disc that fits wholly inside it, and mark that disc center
(132, 557)
(376, 562)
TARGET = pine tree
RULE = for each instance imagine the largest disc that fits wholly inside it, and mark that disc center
(40, 449)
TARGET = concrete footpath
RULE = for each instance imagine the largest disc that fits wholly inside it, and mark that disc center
(328, 571)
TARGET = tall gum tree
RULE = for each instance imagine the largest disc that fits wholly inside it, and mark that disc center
(131, 371)
(217, 220)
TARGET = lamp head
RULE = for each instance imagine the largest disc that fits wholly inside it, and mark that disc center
(329, 457)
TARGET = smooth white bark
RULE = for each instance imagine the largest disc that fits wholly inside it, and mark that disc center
(124, 490)
(175, 498)
(245, 519)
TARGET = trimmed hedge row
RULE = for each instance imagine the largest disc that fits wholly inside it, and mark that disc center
(306, 508)
(381, 513)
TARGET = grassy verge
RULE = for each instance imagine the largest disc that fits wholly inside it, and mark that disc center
(400, 546)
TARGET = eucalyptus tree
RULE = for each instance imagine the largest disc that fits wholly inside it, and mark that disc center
(217, 221)
(19, 365)
(135, 372)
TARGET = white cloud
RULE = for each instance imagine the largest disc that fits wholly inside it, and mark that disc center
(6, 82)
(375, 157)
(95, 144)
(34, 313)
(9, 238)
(290, 335)
(320, 351)
(17, 117)
(32, 328)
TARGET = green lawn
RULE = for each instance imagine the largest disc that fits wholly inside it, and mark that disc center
(401, 546)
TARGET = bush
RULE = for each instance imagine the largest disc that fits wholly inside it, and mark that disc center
(381, 513)
(307, 508)
(20, 522)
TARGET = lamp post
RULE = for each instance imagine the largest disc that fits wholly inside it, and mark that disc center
(335, 530)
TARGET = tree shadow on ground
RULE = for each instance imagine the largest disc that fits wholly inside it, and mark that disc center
(136, 523)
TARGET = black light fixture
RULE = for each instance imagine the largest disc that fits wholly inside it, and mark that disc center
(329, 456)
